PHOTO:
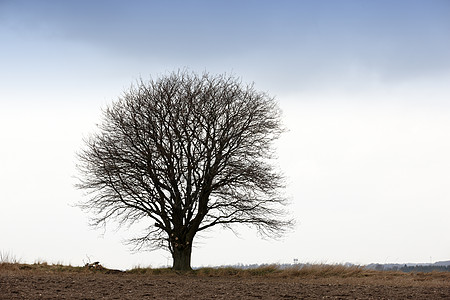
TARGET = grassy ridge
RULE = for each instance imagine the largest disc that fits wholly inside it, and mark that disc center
(316, 271)
(270, 271)
(8, 263)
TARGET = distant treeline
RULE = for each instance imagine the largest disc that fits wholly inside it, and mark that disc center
(416, 268)
(379, 267)
(425, 268)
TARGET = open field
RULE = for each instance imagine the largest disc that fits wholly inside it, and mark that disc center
(42, 281)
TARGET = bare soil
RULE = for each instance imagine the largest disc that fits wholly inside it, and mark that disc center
(32, 284)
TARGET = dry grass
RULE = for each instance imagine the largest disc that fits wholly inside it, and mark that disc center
(318, 273)
(6, 257)
(313, 272)
(303, 271)
(39, 267)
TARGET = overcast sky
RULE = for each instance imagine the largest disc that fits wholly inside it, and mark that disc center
(365, 90)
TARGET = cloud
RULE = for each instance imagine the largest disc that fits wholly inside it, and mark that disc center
(395, 40)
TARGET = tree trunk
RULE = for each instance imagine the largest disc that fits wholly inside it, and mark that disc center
(182, 258)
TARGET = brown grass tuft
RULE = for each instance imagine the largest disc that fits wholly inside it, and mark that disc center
(6, 257)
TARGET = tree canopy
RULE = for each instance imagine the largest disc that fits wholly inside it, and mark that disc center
(188, 152)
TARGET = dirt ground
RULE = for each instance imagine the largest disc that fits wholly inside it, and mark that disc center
(68, 285)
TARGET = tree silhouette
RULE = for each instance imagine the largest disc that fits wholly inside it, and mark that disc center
(188, 152)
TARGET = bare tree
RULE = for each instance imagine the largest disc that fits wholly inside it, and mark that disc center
(188, 152)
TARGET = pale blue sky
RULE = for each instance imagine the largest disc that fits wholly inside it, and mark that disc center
(283, 45)
(364, 86)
